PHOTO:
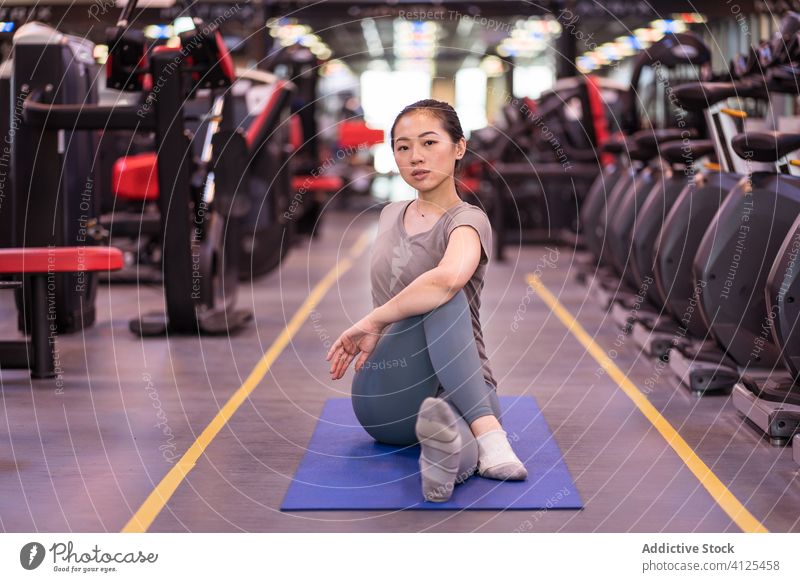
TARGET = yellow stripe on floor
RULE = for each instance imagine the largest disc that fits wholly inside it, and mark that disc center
(721, 494)
(156, 501)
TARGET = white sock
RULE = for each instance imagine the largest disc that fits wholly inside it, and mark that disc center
(496, 458)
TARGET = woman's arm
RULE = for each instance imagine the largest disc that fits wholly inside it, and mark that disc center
(437, 286)
(428, 291)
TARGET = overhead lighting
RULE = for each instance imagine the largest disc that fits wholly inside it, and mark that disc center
(492, 66)
(610, 51)
(378, 65)
(690, 17)
(464, 26)
(333, 67)
(309, 40)
(372, 38)
(183, 24)
(629, 44)
(585, 65)
(647, 36)
(100, 53)
(420, 65)
(158, 31)
(669, 26)
(415, 40)
(528, 39)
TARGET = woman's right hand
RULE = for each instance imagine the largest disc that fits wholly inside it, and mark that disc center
(360, 338)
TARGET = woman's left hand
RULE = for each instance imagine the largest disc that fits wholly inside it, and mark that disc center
(361, 337)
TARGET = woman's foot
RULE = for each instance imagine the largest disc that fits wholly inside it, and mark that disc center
(440, 443)
(496, 458)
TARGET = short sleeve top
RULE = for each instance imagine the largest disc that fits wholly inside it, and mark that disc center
(398, 258)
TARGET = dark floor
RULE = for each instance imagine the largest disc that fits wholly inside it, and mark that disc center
(86, 458)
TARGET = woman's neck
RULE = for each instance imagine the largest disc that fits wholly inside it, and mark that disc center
(437, 201)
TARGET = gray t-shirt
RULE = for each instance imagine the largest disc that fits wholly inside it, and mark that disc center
(397, 258)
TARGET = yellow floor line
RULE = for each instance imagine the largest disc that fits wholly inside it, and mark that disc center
(721, 494)
(155, 502)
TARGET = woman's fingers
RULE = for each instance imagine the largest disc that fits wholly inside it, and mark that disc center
(336, 345)
(338, 364)
(361, 360)
(344, 363)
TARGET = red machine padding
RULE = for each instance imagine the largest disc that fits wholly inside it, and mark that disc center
(318, 183)
(162, 48)
(60, 260)
(295, 132)
(225, 59)
(598, 118)
(258, 123)
(136, 177)
(355, 133)
(469, 184)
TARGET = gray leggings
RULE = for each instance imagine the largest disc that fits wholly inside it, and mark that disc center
(424, 355)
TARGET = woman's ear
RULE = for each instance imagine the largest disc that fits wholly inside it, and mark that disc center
(461, 148)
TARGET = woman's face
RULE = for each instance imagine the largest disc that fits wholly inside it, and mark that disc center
(424, 151)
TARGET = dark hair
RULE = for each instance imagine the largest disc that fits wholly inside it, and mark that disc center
(443, 111)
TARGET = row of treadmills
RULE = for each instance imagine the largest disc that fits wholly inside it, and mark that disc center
(693, 232)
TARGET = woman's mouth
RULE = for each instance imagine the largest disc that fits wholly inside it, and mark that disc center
(420, 174)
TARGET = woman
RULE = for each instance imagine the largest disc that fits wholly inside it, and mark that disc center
(423, 339)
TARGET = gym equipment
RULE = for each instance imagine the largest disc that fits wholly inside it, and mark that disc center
(680, 239)
(540, 158)
(298, 64)
(679, 236)
(769, 397)
(267, 233)
(51, 171)
(6, 192)
(39, 267)
(202, 271)
(699, 362)
(345, 468)
(674, 59)
(658, 335)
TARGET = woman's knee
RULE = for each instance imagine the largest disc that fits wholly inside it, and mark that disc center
(387, 418)
(395, 379)
(452, 316)
(457, 302)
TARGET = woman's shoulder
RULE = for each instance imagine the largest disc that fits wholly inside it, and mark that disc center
(389, 212)
(466, 209)
(392, 207)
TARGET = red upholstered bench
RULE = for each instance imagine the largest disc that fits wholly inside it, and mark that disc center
(356, 134)
(470, 184)
(330, 183)
(37, 354)
(135, 177)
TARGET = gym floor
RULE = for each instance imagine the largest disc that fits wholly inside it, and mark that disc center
(131, 436)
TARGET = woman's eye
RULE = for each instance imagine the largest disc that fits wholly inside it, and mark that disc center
(429, 141)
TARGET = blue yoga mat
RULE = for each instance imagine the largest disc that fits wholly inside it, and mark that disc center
(345, 468)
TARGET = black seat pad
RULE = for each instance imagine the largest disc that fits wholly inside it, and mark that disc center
(687, 151)
(765, 146)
